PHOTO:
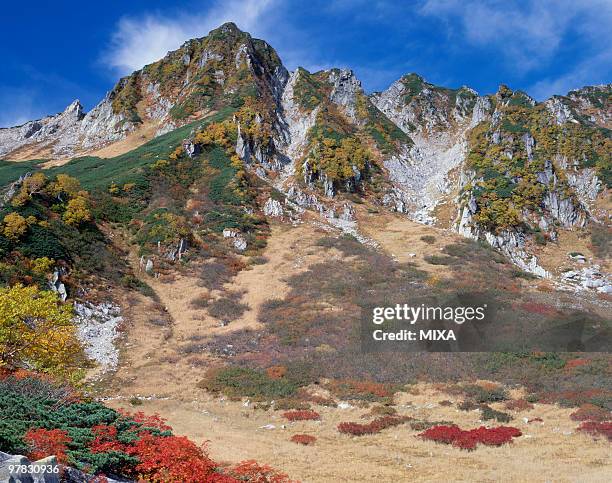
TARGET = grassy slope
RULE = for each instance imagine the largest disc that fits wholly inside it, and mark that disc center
(94, 172)
(11, 170)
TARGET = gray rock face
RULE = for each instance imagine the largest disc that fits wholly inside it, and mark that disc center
(97, 330)
(57, 286)
(589, 278)
(238, 241)
(438, 124)
(560, 111)
(345, 87)
(273, 208)
(68, 132)
(12, 189)
(512, 245)
(51, 475)
(297, 121)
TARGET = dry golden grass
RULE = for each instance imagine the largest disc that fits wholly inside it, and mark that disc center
(153, 363)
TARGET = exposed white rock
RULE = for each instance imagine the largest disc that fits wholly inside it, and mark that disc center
(345, 88)
(560, 111)
(589, 278)
(298, 123)
(273, 208)
(97, 330)
(240, 243)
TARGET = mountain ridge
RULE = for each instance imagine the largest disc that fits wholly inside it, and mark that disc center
(500, 167)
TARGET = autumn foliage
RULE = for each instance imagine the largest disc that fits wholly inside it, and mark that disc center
(590, 412)
(170, 459)
(47, 442)
(302, 415)
(305, 439)
(36, 330)
(373, 427)
(469, 439)
(256, 473)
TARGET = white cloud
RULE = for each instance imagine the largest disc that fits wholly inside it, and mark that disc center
(17, 106)
(141, 41)
(578, 77)
(529, 32)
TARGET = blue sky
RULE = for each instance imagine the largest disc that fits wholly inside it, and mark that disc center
(54, 52)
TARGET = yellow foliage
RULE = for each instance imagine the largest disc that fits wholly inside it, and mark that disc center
(220, 133)
(77, 211)
(65, 184)
(177, 153)
(42, 265)
(31, 185)
(160, 163)
(36, 330)
(337, 158)
(15, 226)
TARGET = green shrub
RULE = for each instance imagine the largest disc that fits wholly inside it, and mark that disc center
(488, 413)
(429, 239)
(482, 394)
(244, 382)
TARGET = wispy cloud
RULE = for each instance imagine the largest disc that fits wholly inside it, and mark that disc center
(577, 77)
(140, 41)
(525, 32)
(17, 106)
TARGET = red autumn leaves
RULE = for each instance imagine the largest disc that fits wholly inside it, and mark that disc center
(469, 439)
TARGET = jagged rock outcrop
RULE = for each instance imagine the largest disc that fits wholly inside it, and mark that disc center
(273, 208)
(202, 75)
(510, 165)
(65, 134)
(437, 121)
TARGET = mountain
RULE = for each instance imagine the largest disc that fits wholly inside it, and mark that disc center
(215, 242)
(500, 167)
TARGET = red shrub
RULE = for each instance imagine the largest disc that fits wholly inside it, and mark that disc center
(170, 459)
(148, 421)
(469, 439)
(255, 473)
(442, 434)
(572, 363)
(373, 427)
(519, 405)
(47, 442)
(302, 415)
(105, 439)
(590, 412)
(596, 428)
(304, 439)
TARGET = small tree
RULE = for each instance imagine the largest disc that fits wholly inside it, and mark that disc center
(64, 185)
(15, 226)
(30, 186)
(36, 330)
(77, 211)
